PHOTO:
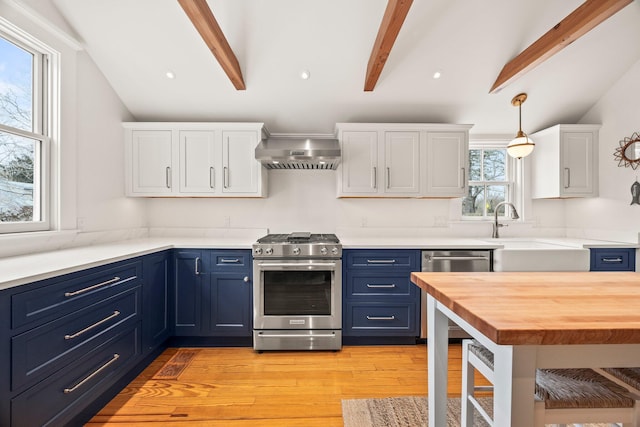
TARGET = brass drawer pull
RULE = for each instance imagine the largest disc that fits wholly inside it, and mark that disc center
(369, 285)
(88, 328)
(93, 374)
(90, 288)
(381, 317)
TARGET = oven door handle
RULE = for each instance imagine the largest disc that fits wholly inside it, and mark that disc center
(331, 335)
(309, 265)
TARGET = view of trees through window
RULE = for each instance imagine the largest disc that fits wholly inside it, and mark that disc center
(488, 183)
(18, 153)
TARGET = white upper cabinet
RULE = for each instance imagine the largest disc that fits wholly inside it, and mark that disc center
(402, 160)
(193, 160)
(565, 162)
(241, 172)
(446, 163)
(151, 152)
(359, 164)
(200, 162)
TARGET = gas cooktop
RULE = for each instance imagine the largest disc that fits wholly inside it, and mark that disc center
(298, 245)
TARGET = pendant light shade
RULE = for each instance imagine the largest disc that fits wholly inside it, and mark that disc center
(521, 146)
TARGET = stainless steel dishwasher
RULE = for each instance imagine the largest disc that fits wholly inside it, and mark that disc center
(451, 261)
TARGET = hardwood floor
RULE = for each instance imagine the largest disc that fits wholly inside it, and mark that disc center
(238, 387)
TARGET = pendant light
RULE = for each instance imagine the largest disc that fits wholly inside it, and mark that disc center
(521, 146)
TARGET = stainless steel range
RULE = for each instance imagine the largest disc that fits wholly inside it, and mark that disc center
(297, 292)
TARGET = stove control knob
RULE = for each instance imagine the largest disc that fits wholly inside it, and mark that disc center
(257, 251)
(334, 251)
(296, 251)
(323, 251)
(268, 251)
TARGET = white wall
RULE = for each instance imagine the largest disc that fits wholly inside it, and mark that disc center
(101, 202)
(611, 215)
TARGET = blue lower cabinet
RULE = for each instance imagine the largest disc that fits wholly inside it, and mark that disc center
(213, 293)
(58, 399)
(613, 259)
(157, 307)
(379, 299)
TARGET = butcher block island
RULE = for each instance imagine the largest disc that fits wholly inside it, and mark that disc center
(530, 321)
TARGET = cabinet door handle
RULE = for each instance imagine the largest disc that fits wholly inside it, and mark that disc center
(95, 325)
(93, 374)
(212, 177)
(381, 317)
(230, 261)
(246, 279)
(226, 177)
(369, 285)
(567, 182)
(464, 178)
(168, 176)
(381, 261)
(388, 178)
(375, 178)
(197, 263)
(611, 260)
(90, 288)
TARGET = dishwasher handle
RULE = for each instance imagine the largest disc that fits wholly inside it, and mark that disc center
(455, 258)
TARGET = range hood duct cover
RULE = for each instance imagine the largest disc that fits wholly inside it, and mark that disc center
(298, 153)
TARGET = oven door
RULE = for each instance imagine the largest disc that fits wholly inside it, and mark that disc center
(297, 294)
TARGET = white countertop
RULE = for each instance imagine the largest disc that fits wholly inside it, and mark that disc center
(19, 270)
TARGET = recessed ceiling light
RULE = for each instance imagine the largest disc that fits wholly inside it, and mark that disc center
(170, 75)
(437, 75)
(305, 74)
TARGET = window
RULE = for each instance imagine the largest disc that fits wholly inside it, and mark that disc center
(24, 142)
(489, 181)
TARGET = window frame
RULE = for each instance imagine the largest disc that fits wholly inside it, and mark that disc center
(43, 111)
(511, 181)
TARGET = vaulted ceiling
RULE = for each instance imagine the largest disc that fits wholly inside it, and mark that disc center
(368, 60)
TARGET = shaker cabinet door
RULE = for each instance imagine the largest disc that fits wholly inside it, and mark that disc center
(359, 164)
(153, 170)
(200, 162)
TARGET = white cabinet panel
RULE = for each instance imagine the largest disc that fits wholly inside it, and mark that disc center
(359, 164)
(240, 168)
(151, 152)
(577, 162)
(402, 162)
(446, 170)
(200, 162)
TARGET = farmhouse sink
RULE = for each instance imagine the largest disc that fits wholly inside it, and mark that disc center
(538, 255)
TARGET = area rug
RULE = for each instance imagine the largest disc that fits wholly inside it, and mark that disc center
(406, 412)
(176, 365)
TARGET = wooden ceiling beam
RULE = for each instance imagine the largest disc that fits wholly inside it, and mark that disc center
(579, 22)
(202, 18)
(392, 21)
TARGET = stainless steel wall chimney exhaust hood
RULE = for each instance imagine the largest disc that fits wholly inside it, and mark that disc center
(298, 152)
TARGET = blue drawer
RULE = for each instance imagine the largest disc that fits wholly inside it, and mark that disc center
(362, 284)
(407, 260)
(53, 298)
(45, 349)
(613, 259)
(379, 319)
(230, 259)
(53, 401)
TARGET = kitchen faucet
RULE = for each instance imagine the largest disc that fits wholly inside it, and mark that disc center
(496, 225)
